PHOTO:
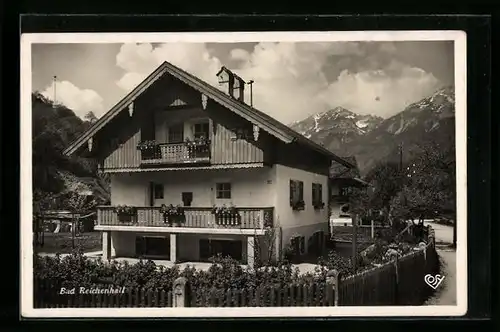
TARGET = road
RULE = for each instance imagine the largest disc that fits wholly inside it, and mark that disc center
(446, 294)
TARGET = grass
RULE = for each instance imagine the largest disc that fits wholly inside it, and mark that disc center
(62, 243)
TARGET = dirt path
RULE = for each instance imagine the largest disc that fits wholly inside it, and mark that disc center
(446, 293)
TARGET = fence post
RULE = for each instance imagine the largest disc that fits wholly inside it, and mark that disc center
(395, 257)
(372, 228)
(354, 242)
(180, 293)
(422, 246)
(333, 279)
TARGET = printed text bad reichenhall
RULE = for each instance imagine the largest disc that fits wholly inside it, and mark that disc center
(93, 290)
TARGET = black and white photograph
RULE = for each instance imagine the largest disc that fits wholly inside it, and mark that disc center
(243, 174)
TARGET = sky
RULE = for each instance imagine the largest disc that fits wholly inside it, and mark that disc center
(292, 80)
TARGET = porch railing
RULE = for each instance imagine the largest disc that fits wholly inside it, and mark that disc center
(194, 217)
(176, 153)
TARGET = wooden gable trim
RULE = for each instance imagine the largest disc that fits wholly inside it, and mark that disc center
(209, 92)
(120, 106)
(254, 116)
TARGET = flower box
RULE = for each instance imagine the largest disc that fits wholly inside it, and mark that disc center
(198, 148)
(226, 216)
(319, 205)
(297, 205)
(173, 214)
(149, 149)
(125, 213)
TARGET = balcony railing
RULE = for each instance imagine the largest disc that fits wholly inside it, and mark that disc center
(194, 217)
(176, 153)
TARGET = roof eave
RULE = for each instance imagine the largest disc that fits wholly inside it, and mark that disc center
(323, 151)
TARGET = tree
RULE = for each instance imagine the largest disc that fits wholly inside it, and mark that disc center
(90, 117)
(41, 203)
(77, 203)
(386, 181)
(429, 188)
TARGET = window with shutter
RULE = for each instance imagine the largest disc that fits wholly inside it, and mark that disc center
(297, 194)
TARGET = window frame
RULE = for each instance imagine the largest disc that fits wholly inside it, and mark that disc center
(156, 191)
(201, 124)
(223, 190)
(296, 193)
(171, 128)
(317, 194)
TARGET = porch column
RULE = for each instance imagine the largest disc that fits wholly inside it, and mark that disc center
(173, 247)
(113, 241)
(106, 245)
(250, 251)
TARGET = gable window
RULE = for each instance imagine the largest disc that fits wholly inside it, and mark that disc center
(297, 194)
(317, 196)
(158, 190)
(201, 130)
(175, 133)
(223, 190)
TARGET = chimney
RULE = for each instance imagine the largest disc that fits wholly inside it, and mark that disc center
(239, 88)
(235, 84)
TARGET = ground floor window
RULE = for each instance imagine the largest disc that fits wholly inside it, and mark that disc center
(210, 248)
(152, 246)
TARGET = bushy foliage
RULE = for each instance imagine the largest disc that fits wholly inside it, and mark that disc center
(53, 129)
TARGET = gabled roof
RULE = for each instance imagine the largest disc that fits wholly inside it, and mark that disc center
(338, 171)
(264, 121)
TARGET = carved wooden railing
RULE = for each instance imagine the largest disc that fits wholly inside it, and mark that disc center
(194, 217)
(177, 153)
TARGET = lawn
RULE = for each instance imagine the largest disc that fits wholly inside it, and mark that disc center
(62, 242)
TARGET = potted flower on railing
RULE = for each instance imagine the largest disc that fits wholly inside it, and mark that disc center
(172, 214)
(318, 205)
(199, 147)
(125, 213)
(226, 216)
(297, 204)
(149, 149)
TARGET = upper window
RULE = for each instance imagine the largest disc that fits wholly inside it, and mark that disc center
(317, 193)
(201, 130)
(223, 190)
(176, 133)
(296, 191)
(158, 191)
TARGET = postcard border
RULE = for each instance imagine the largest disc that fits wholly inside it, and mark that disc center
(26, 236)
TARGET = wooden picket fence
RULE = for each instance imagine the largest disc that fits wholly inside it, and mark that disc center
(398, 282)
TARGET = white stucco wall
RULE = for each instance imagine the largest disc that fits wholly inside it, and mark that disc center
(254, 187)
(251, 187)
(304, 222)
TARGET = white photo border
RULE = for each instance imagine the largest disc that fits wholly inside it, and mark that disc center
(26, 235)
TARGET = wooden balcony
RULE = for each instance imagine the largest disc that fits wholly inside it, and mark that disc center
(176, 154)
(194, 217)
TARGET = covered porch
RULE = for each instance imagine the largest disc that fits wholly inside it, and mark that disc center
(181, 247)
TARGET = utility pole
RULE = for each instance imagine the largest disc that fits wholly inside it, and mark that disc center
(354, 242)
(55, 96)
(251, 82)
(400, 148)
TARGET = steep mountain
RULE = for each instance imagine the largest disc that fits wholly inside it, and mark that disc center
(336, 128)
(53, 128)
(431, 119)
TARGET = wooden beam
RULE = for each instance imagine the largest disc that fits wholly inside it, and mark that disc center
(90, 143)
(131, 109)
(204, 101)
(255, 132)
